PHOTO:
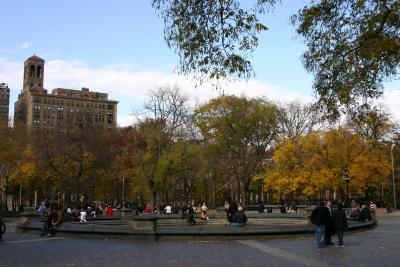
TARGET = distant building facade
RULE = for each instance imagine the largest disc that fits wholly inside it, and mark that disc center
(4, 104)
(63, 108)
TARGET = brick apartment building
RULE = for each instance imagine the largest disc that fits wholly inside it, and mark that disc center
(63, 108)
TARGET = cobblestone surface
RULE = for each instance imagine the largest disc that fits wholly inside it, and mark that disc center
(377, 247)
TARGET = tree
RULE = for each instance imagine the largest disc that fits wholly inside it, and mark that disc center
(370, 122)
(240, 130)
(315, 163)
(13, 143)
(296, 119)
(353, 47)
(163, 125)
(213, 38)
(73, 160)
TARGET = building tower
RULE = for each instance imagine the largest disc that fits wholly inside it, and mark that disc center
(33, 74)
(4, 104)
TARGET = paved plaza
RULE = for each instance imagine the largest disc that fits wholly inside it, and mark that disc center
(376, 247)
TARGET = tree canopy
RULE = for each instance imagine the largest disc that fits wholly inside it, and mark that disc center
(213, 38)
(353, 45)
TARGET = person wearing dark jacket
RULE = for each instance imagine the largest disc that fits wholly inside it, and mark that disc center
(233, 208)
(329, 229)
(239, 218)
(261, 207)
(321, 218)
(48, 228)
(190, 215)
(340, 223)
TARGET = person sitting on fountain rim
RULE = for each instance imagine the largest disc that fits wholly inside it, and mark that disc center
(239, 218)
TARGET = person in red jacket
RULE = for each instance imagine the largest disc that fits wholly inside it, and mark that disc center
(109, 211)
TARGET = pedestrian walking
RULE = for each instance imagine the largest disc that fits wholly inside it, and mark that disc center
(340, 223)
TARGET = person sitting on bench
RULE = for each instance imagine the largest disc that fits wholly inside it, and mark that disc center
(239, 218)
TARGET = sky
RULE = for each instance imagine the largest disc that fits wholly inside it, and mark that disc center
(118, 47)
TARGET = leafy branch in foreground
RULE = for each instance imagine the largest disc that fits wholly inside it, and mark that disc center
(353, 47)
(213, 38)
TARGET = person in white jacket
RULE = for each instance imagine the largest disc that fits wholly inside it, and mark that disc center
(83, 216)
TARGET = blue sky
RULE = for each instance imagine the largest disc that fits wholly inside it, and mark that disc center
(118, 47)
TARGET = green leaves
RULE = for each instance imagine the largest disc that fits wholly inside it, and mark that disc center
(213, 39)
(238, 130)
(353, 46)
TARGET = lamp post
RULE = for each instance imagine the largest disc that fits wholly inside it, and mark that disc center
(58, 200)
(93, 193)
(346, 178)
(394, 187)
(6, 191)
(123, 192)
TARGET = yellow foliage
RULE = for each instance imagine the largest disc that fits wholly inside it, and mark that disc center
(316, 162)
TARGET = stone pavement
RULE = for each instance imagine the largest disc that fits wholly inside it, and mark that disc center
(379, 246)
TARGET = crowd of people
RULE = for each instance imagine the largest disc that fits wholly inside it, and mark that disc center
(363, 213)
(54, 217)
(329, 222)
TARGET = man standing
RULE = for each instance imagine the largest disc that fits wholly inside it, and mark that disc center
(318, 218)
(329, 230)
(340, 223)
(321, 218)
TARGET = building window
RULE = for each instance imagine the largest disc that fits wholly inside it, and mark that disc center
(32, 71)
(109, 117)
(110, 106)
(36, 99)
(60, 109)
(39, 72)
(36, 107)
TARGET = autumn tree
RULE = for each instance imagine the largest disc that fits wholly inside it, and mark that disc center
(315, 163)
(13, 143)
(182, 170)
(240, 130)
(165, 116)
(74, 160)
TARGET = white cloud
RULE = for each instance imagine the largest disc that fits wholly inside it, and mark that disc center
(129, 85)
(391, 101)
(24, 45)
